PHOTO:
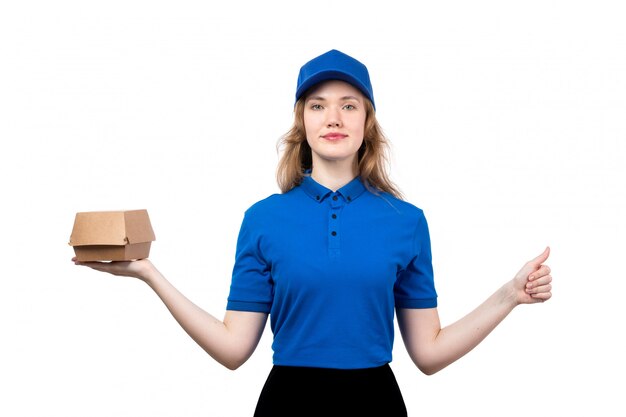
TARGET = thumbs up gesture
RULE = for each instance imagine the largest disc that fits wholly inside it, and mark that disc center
(533, 283)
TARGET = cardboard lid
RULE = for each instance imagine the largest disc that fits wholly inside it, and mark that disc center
(111, 228)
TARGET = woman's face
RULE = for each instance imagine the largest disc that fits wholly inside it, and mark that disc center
(334, 121)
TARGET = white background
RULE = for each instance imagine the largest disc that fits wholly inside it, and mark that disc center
(507, 127)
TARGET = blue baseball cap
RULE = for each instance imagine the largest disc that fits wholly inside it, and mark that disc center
(335, 65)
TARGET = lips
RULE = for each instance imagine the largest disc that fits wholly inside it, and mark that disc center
(334, 136)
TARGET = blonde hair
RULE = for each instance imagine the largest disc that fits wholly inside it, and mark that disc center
(373, 156)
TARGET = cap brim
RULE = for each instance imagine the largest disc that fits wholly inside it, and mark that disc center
(328, 75)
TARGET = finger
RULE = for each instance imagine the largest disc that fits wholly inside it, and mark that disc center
(542, 296)
(541, 258)
(92, 265)
(542, 271)
(99, 266)
(546, 279)
(540, 289)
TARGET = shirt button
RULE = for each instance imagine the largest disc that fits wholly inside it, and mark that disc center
(334, 216)
(333, 233)
(317, 197)
(349, 198)
(334, 198)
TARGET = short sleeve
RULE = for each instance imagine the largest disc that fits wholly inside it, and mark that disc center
(251, 288)
(415, 285)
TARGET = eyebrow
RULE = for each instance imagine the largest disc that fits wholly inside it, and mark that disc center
(342, 98)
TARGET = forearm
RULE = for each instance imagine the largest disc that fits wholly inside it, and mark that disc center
(207, 331)
(432, 347)
(230, 341)
(457, 339)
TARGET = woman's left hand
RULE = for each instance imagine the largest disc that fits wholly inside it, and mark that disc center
(533, 283)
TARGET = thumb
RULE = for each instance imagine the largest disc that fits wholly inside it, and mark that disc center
(541, 258)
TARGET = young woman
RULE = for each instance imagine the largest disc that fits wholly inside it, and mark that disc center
(331, 260)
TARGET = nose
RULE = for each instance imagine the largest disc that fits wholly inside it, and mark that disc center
(333, 119)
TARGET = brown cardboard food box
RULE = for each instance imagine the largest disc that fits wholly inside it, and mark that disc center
(112, 235)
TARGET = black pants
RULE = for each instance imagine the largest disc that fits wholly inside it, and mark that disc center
(302, 391)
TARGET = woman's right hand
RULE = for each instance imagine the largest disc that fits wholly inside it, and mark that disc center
(141, 268)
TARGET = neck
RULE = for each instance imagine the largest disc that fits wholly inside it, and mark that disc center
(334, 174)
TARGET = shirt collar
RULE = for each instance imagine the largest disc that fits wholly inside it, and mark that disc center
(318, 192)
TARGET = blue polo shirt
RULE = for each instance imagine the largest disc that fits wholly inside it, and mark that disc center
(330, 267)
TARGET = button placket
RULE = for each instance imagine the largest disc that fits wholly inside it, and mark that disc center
(334, 232)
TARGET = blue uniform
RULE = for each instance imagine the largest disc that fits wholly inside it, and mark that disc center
(330, 267)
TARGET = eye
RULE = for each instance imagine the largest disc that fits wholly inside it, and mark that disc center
(349, 107)
(316, 106)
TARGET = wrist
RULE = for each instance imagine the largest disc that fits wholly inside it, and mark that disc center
(508, 295)
(148, 272)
